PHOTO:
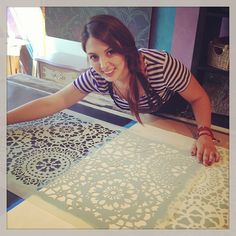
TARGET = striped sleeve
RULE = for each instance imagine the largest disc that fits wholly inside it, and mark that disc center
(176, 74)
(86, 82)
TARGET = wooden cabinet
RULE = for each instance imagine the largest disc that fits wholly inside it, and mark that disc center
(13, 65)
(60, 67)
(213, 23)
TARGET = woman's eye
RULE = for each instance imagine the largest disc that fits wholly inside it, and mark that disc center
(93, 57)
(110, 52)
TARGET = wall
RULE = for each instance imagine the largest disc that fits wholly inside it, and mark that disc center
(67, 22)
(54, 45)
(174, 30)
(162, 28)
(171, 29)
(184, 34)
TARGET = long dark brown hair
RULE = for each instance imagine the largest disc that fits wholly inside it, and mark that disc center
(116, 35)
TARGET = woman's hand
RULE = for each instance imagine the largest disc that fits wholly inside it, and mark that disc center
(205, 150)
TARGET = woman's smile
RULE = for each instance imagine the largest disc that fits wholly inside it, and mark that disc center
(109, 73)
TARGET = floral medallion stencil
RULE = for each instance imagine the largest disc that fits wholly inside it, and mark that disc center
(128, 183)
(39, 151)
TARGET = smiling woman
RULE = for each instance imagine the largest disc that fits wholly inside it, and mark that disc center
(140, 80)
(119, 62)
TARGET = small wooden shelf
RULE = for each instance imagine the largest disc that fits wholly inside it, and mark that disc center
(218, 14)
(214, 70)
(211, 25)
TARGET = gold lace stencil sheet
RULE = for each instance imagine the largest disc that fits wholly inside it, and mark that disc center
(41, 150)
(130, 182)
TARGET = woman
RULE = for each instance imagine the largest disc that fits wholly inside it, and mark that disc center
(140, 80)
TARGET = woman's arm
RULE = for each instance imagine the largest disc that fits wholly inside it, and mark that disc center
(204, 147)
(46, 106)
(199, 101)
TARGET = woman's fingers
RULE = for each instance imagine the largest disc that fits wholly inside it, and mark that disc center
(194, 149)
(210, 158)
(217, 157)
(206, 156)
(200, 155)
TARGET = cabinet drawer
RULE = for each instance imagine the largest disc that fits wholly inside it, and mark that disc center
(57, 74)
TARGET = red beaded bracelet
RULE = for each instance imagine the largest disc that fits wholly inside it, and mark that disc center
(204, 130)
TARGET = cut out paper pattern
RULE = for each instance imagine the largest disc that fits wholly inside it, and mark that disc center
(41, 150)
(204, 203)
(128, 183)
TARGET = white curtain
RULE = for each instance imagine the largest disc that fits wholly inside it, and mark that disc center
(30, 24)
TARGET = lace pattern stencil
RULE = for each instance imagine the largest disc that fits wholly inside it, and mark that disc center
(205, 202)
(38, 151)
(128, 183)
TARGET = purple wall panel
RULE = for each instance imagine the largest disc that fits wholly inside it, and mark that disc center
(184, 34)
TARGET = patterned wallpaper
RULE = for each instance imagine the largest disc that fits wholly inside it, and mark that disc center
(67, 22)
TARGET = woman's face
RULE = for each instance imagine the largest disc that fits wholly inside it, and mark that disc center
(110, 65)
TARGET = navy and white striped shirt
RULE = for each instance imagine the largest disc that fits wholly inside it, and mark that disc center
(165, 74)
